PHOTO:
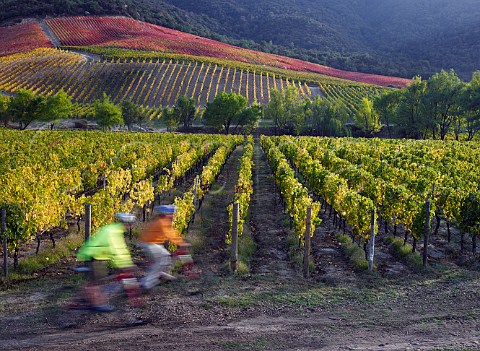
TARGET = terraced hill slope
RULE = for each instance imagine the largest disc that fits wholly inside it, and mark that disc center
(122, 32)
(152, 83)
(153, 66)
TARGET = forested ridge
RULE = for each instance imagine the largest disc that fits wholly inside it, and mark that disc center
(385, 37)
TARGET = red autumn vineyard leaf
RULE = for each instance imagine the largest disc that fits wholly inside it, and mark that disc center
(23, 37)
(127, 33)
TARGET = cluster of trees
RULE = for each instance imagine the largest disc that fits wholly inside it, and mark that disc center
(226, 113)
(293, 114)
(107, 114)
(26, 107)
(432, 108)
(183, 112)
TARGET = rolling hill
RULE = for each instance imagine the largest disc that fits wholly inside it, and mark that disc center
(153, 65)
(385, 37)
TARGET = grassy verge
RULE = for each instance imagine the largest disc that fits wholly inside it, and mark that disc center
(355, 253)
(29, 266)
(246, 250)
(404, 252)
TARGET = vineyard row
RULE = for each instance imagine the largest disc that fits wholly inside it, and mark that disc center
(148, 83)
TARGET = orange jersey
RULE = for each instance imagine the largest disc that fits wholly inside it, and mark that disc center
(159, 231)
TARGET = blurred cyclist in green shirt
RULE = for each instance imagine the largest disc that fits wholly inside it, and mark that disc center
(105, 246)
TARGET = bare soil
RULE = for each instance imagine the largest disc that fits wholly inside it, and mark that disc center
(272, 307)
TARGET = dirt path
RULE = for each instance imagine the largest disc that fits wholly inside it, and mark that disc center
(211, 220)
(423, 315)
(89, 57)
(273, 308)
(53, 38)
(331, 265)
(266, 222)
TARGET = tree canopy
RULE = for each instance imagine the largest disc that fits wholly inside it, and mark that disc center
(57, 107)
(184, 111)
(366, 117)
(433, 108)
(26, 107)
(107, 114)
(132, 114)
(227, 110)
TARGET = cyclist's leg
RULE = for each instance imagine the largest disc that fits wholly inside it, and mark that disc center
(161, 262)
(93, 290)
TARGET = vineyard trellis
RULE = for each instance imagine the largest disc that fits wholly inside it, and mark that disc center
(154, 82)
(61, 176)
(357, 177)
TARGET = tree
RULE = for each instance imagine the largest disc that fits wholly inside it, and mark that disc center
(286, 109)
(4, 113)
(248, 118)
(107, 114)
(441, 101)
(470, 104)
(170, 118)
(411, 113)
(275, 107)
(26, 107)
(294, 118)
(185, 111)
(386, 105)
(57, 107)
(225, 111)
(367, 118)
(143, 116)
(326, 118)
(132, 114)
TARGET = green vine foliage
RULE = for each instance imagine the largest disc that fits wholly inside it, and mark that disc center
(17, 227)
(470, 208)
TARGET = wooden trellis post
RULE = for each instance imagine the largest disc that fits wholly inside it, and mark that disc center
(88, 221)
(426, 233)
(371, 251)
(5, 247)
(234, 249)
(307, 247)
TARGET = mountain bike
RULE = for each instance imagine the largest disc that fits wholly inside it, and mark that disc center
(69, 306)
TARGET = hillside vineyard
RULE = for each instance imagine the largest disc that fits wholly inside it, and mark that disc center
(147, 82)
(153, 66)
(121, 32)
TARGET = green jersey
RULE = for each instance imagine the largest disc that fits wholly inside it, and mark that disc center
(107, 244)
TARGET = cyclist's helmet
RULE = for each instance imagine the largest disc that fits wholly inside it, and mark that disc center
(125, 217)
(164, 209)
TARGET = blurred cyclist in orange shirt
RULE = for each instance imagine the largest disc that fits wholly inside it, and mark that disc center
(152, 241)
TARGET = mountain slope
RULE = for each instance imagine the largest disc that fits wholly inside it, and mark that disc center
(390, 37)
(122, 32)
(174, 64)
